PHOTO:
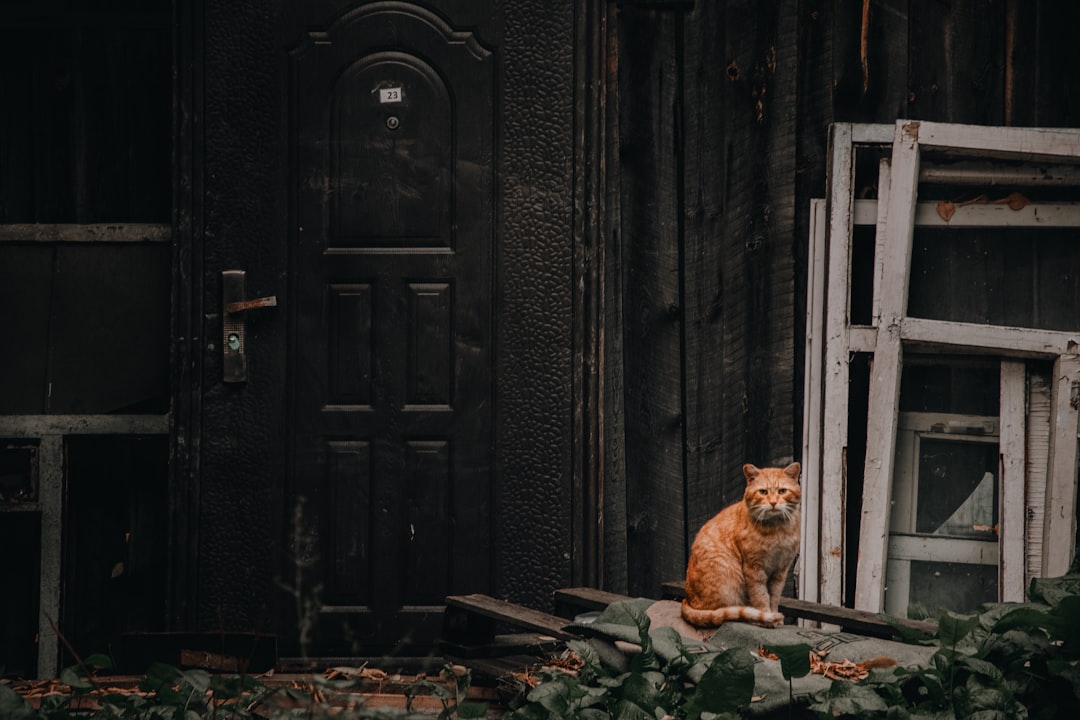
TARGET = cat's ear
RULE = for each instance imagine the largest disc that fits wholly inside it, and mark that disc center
(750, 472)
(793, 470)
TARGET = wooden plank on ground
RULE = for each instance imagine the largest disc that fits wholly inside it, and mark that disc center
(472, 619)
(571, 601)
(856, 621)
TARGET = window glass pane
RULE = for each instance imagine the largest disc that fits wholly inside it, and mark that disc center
(957, 492)
(1020, 278)
(957, 386)
(87, 326)
(943, 544)
(936, 587)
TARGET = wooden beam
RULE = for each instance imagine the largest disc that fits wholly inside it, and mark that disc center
(461, 609)
(885, 375)
(881, 216)
(1059, 540)
(51, 502)
(836, 375)
(1011, 444)
(857, 621)
(93, 232)
(979, 215)
(987, 339)
(872, 133)
(42, 425)
(571, 601)
(984, 141)
(813, 380)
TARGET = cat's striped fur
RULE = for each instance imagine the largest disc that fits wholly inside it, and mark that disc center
(740, 558)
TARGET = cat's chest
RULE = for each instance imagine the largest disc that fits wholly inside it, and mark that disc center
(775, 550)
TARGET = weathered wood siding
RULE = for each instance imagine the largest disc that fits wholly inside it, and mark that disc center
(722, 111)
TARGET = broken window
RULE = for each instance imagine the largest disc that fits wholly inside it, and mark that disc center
(943, 306)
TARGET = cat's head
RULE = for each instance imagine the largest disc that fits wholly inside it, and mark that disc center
(773, 495)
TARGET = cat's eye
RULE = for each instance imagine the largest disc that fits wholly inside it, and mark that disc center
(763, 491)
(782, 490)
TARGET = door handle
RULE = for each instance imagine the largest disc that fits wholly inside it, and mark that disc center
(234, 326)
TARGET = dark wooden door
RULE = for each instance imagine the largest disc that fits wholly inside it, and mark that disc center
(391, 333)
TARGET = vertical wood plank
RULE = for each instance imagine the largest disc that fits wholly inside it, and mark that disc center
(814, 109)
(757, 122)
(1038, 454)
(884, 179)
(1011, 481)
(707, 486)
(1042, 52)
(51, 497)
(809, 558)
(956, 61)
(775, 364)
(613, 487)
(835, 426)
(1060, 536)
(870, 66)
(653, 322)
(885, 374)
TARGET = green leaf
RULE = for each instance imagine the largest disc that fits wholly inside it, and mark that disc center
(667, 643)
(981, 667)
(197, 679)
(952, 628)
(627, 710)
(1052, 590)
(99, 661)
(726, 686)
(70, 676)
(226, 687)
(643, 689)
(13, 706)
(588, 654)
(845, 698)
(987, 701)
(1067, 625)
(553, 696)
(469, 710)
(794, 659)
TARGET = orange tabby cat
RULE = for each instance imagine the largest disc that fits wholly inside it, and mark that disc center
(740, 558)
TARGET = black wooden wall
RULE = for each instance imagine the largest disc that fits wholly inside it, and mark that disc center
(719, 116)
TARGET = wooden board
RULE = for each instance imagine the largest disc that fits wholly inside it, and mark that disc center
(857, 621)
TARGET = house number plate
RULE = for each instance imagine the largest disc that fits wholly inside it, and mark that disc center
(391, 95)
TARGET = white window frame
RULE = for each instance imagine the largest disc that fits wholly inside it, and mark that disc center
(832, 338)
(905, 542)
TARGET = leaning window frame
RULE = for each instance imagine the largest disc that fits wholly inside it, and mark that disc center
(832, 338)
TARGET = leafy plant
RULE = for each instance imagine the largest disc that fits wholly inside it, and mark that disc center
(452, 693)
(1009, 661)
(664, 679)
(170, 693)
